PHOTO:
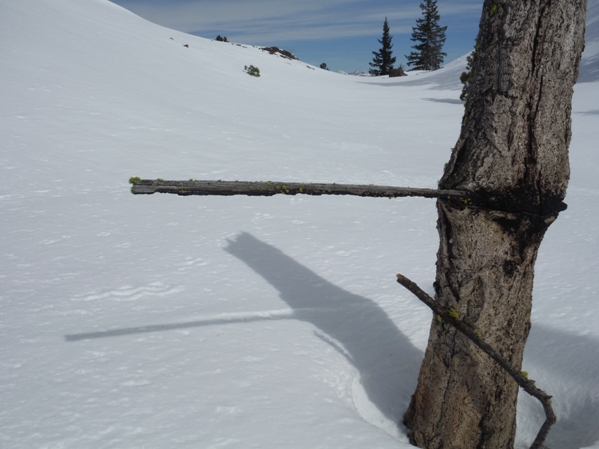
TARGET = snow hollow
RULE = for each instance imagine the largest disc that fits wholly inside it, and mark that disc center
(235, 322)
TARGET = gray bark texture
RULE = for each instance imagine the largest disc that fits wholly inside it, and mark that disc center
(513, 154)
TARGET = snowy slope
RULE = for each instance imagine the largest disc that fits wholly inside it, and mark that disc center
(167, 322)
(589, 66)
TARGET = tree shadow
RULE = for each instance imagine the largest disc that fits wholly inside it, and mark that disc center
(355, 326)
(387, 361)
(568, 363)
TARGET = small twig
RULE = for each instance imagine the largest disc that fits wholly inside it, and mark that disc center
(270, 188)
(450, 316)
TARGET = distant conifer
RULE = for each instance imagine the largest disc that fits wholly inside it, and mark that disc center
(383, 60)
(466, 76)
(428, 54)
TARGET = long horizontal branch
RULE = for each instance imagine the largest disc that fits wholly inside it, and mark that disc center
(450, 316)
(270, 188)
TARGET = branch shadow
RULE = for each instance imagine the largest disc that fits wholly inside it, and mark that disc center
(248, 318)
(590, 112)
(355, 326)
(569, 363)
(446, 100)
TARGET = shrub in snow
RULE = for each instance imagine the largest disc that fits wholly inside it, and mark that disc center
(399, 71)
(277, 51)
(252, 71)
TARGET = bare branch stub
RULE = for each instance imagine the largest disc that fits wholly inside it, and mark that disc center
(528, 385)
(270, 188)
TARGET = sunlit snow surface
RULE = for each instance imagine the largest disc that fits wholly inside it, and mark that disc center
(237, 322)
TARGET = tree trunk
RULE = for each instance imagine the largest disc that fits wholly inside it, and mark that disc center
(513, 154)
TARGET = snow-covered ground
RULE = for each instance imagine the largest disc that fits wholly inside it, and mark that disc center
(234, 322)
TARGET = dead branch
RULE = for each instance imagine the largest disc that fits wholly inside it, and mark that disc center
(451, 316)
(270, 188)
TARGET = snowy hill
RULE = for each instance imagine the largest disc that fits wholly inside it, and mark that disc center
(167, 322)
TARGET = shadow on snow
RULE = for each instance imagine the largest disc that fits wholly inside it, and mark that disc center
(387, 361)
(569, 363)
(354, 326)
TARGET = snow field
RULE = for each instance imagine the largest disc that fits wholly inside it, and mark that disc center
(161, 322)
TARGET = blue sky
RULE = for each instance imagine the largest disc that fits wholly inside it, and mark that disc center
(341, 33)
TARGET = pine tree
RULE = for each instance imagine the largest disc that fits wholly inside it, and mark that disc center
(428, 54)
(466, 76)
(383, 61)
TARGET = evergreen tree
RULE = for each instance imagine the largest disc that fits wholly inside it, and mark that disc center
(467, 75)
(428, 54)
(383, 61)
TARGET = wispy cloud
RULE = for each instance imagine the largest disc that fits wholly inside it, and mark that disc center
(342, 32)
(261, 21)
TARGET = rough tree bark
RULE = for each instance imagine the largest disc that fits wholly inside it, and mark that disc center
(513, 153)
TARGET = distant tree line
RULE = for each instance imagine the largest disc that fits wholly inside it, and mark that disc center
(429, 38)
